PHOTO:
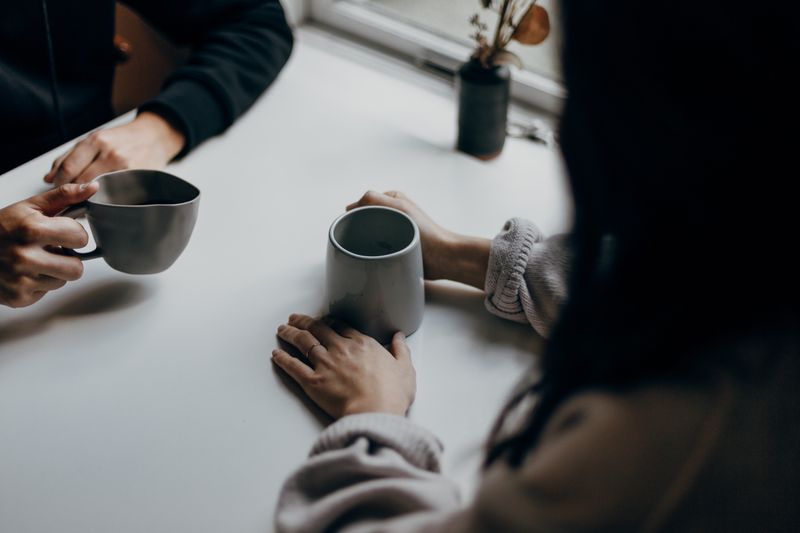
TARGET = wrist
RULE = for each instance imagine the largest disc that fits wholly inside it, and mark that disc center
(357, 407)
(466, 260)
(168, 137)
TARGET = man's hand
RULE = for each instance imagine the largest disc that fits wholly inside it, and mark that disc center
(30, 233)
(352, 373)
(147, 142)
(445, 254)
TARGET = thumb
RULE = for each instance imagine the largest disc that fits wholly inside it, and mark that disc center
(399, 348)
(55, 200)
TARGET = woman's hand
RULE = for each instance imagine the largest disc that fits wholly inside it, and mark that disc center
(435, 240)
(147, 142)
(350, 372)
(29, 232)
(445, 254)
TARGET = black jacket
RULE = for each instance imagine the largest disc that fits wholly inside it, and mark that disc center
(51, 93)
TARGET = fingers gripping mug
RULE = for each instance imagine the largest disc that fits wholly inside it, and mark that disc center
(374, 272)
(141, 220)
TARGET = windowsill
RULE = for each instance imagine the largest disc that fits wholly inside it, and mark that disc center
(424, 48)
(402, 67)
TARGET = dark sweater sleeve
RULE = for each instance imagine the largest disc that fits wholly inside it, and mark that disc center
(238, 49)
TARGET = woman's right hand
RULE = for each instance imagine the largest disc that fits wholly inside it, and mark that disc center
(435, 239)
(30, 234)
(445, 254)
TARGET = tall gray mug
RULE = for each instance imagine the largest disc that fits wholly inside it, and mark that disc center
(374, 272)
(141, 220)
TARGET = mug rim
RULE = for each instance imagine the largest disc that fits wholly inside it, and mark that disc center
(404, 251)
(148, 170)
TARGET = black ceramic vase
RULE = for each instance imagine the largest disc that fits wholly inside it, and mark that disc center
(483, 95)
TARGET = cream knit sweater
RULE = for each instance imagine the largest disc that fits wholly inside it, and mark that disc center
(618, 469)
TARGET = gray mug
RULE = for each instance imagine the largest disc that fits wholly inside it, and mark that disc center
(374, 272)
(141, 219)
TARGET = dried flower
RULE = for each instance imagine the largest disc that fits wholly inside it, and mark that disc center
(534, 26)
(531, 28)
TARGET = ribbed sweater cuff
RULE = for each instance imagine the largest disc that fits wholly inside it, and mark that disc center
(190, 107)
(508, 259)
(418, 446)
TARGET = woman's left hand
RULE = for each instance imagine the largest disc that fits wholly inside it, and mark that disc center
(351, 372)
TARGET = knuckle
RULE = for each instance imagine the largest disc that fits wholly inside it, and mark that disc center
(63, 193)
(116, 156)
(30, 230)
(70, 169)
(296, 319)
(75, 269)
(18, 257)
(305, 336)
(98, 139)
(317, 381)
(25, 285)
(336, 343)
(362, 341)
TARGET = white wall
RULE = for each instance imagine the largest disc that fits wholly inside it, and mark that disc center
(296, 10)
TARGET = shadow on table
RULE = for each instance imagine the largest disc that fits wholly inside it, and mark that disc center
(493, 329)
(103, 297)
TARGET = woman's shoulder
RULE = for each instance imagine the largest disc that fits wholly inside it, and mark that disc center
(608, 460)
(714, 455)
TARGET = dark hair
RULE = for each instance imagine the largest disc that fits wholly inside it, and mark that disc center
(680, 135)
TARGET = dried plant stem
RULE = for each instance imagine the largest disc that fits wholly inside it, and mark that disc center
(500, 24)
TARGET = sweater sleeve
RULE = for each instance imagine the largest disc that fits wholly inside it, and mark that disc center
(369, 472)
(526, 277)
(238, 49)
(604, 463)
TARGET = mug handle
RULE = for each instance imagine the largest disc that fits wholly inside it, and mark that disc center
(77, 211)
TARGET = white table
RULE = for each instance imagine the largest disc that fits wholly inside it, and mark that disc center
(132, 404)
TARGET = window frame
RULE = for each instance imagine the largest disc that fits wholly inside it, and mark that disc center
(426, 48)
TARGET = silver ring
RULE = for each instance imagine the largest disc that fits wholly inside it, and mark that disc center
(312, 347)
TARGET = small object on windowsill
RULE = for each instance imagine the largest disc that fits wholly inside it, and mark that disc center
(483, 83)
(536, 130)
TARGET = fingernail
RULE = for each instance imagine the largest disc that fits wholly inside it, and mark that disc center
(401, 336)
(274, 353)
(83, 186)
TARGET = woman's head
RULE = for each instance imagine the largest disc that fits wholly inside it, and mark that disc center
(680, 140)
